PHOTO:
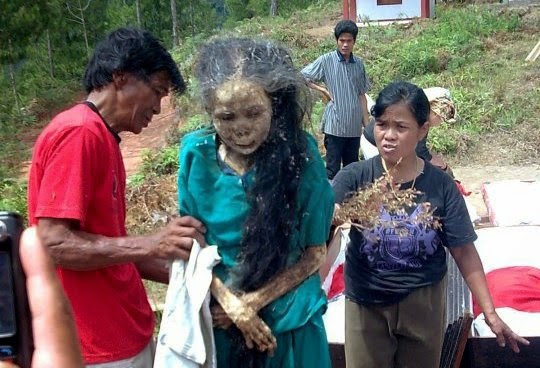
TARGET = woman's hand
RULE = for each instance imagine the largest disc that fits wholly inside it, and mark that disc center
(504, 333)
(470, 266)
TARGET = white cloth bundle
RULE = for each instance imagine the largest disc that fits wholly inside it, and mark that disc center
(185, 336)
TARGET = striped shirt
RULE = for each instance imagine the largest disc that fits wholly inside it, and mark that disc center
(345, 81)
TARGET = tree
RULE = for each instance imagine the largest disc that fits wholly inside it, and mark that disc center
(273, 8)
(174, 17)
(138, 12)
(21, 24)
(77, 12)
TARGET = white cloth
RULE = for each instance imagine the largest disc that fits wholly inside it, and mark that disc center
(185, 335)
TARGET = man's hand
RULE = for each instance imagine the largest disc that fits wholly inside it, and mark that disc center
(327, 97)
(176, 238)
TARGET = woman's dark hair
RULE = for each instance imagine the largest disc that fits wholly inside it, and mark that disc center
(133, 51)
(346, 26)
(278, 163)
(403, 92)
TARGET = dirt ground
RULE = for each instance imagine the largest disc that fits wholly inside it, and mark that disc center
(472, 178)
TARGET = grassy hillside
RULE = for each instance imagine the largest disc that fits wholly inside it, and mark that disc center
(477, 51)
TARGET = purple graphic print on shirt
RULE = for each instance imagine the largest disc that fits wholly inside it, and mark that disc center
(404, 244)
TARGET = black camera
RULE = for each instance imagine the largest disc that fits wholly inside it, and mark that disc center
(16, 342)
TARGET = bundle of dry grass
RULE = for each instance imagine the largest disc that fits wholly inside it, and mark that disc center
(364, 208)
(152, 204)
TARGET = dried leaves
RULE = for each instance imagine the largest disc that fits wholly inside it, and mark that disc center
(365, 208)
(151, 205)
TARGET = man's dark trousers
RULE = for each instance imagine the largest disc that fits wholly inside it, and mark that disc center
(340, 150)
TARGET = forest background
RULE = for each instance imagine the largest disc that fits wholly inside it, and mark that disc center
(477, 50)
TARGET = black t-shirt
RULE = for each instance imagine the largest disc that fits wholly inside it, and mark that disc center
(383, 267)
(421, 148)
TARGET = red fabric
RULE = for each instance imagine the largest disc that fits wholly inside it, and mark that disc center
(461, 188)
(337, 286)
(514, 287)
(77, 173)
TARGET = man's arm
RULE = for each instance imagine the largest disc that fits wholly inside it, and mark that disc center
(78, 250)
(326, 94)
(154, 270)
(365, 112)
(313, 74)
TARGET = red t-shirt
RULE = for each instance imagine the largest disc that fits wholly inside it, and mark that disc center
(77, 173)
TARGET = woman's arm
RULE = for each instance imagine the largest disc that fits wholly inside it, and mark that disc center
(470, 266)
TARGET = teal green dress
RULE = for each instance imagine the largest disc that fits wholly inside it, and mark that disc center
(217, 197)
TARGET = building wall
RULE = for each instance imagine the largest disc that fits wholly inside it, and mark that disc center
(368, 9)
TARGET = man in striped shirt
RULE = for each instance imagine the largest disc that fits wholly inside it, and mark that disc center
(347, 83)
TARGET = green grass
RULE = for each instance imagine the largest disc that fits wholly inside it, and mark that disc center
(476, 51)
(468, 49)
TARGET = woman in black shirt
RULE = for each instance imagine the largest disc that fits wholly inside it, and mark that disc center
(395, 272)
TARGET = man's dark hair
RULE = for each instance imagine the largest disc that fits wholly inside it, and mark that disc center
(346, 26)
(133, 51)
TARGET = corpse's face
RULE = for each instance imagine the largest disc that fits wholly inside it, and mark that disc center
(242, 113)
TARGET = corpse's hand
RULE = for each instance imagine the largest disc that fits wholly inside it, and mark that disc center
(221, 319)
(255, 330)
(504, 333)
(244, 316)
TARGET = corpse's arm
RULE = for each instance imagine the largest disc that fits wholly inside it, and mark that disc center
(287, 280)
(279, 285)
(470, 266)
(253, 328)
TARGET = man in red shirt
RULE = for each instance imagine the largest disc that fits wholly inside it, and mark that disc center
(76, 196)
